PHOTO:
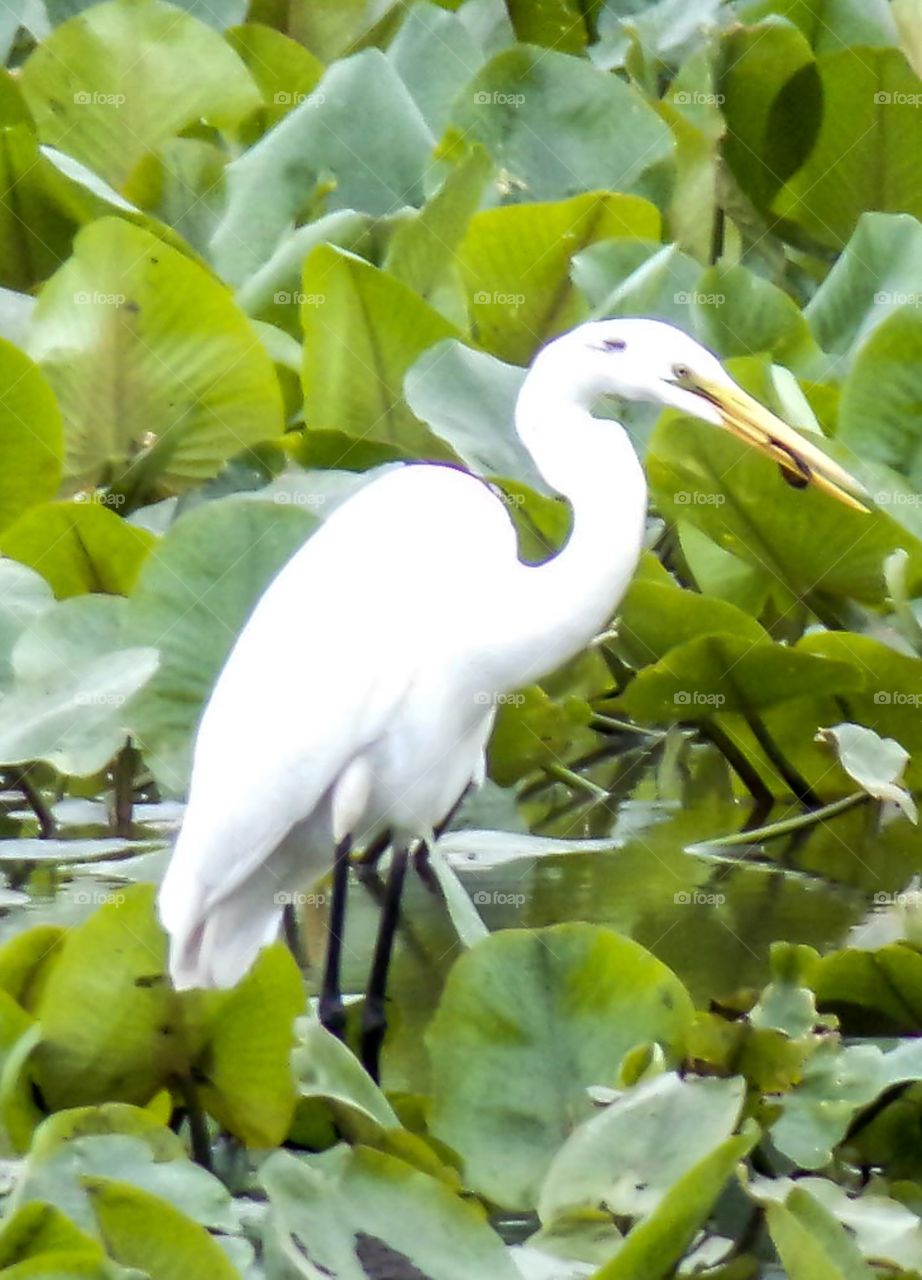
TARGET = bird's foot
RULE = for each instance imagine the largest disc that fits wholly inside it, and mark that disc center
(332, 1013)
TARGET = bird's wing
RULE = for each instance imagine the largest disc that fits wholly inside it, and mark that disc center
(323, 662)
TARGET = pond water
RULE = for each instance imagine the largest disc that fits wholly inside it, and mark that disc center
(711, 914)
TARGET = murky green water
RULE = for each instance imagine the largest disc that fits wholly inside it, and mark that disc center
(712, 916)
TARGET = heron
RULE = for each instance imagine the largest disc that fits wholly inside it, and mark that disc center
(356, 704)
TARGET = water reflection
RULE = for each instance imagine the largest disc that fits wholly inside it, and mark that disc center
(711, 915)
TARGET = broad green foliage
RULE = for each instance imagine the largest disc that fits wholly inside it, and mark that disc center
(527, 96)
(92, 96)
(251, 252)
(159, 377)
(139, 1229)
(79, 546)
(528, 1021)
(344, 1213)
(363, 329)
(515, 262)
(30, 436)
(194, 596)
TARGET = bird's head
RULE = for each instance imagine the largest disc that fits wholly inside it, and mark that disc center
(649, 360)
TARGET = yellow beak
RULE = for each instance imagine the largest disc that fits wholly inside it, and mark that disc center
(801, 462)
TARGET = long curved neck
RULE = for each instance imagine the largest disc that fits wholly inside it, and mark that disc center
(560, 605)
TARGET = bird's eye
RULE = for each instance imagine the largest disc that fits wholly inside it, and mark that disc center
(681, 373)
(614, 344)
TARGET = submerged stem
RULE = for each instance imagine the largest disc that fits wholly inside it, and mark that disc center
(612, 723)
(560, 773)
(33, 797)
(774, 829)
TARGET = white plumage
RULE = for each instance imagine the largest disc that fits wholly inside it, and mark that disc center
(359, 696)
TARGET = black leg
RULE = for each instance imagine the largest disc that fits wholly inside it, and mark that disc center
(449, 816)
(374, 1015)
(291, 932)
(421, 862)
(366, 866)
(422, 865)
(332, 1010)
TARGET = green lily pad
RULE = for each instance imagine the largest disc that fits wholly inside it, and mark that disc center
(359, 125)
(41, 1234)
(363, 330)
(515, 263)
(245, 1076)
(717, 674)
(76, 717)
(838, 1083)
(811, 1244)
(879, 415)
(325, 1068)
(652, 1249)
(654, 617)
(629, 1155)
(117, 1140)
(701, 475)
(527, 1022)
(25, 957)
(283, 69)
(436, 53)
(878, 271)
(144, 1231)
(40, 210)
(772, 104)
(111, 1029)
(864, 155)
(423, 252)
(31, 437)
(111, 108)
(356, 1212)
(545, 117)
(158, 374)
(24, 596)
(78, 547)
(468, 399)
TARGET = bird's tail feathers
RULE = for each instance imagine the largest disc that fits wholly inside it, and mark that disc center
(216, 946)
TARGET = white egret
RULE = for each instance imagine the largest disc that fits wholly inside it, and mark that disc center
(359, 696)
